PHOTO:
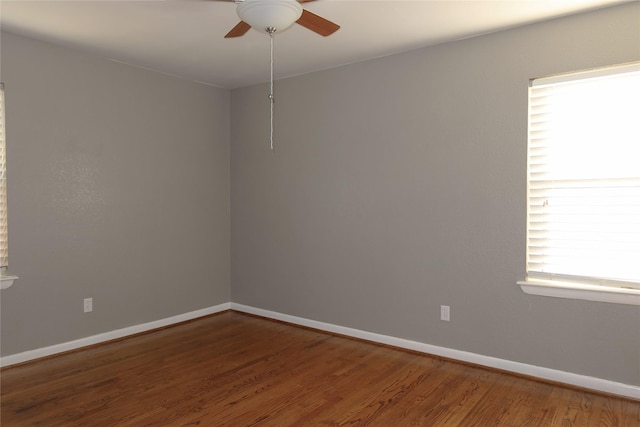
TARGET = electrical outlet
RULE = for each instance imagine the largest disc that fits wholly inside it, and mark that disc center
(88, 305)
(445, 312)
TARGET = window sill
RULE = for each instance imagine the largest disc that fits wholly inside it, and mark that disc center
(7, 281)
(581, 291)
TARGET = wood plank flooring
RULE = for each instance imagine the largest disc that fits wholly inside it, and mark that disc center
(231, 369)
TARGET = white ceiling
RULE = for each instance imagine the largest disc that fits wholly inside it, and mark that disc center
(186, 37)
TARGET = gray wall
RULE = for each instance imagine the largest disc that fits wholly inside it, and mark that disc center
(399, 184)
(118, 190)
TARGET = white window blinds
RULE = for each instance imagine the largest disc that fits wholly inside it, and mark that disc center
(584, 177)
(3, 185)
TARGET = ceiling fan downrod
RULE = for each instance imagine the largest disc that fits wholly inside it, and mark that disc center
(271, 31)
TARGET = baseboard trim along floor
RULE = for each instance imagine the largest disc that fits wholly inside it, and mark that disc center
(108, 336)
(569, 378)
(597, 384)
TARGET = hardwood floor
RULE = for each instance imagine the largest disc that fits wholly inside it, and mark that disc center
(232, 369)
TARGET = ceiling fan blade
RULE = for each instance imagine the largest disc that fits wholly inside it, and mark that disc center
(238, 30)
(317, 23)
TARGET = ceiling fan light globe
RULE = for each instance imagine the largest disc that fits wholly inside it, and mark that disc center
(263, 14)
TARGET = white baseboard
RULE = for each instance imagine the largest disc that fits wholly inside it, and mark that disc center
(108, 336)
(592, 383)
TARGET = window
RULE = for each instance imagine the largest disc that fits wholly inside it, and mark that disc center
(583, 215)
(4, 251)
(5, 279)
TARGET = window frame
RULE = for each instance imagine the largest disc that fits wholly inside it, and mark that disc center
(6, 280)
(3, 185)
(565, 285)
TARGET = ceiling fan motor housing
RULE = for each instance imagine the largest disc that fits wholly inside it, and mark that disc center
(262, 15)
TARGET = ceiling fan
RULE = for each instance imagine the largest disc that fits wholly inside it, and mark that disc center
(274, 16)
(278, 15)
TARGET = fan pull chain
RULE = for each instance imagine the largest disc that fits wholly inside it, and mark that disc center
(271, 31)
